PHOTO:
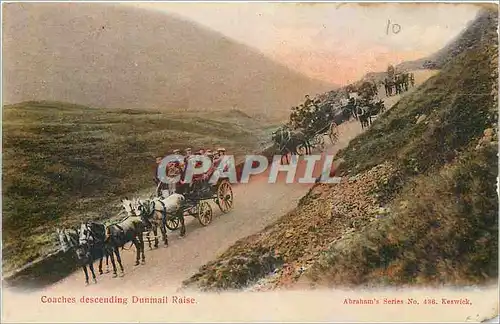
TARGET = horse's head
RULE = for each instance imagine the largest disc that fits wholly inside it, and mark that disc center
(85, 236)
(128, 206)
(68, 239)
(144, 209)
(140, 207)
(63, 242)
(180, 197)
(85, 240)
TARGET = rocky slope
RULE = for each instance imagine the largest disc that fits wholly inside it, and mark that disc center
(417, 205)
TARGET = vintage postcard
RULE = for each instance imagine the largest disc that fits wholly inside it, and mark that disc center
(249, 162)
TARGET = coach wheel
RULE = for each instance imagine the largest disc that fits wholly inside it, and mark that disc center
(224, 196)
(204, 213)
(172, 223)
(320, 142)
(334, 133)
(301, 149)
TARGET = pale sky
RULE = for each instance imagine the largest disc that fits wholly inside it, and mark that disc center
(334, 42)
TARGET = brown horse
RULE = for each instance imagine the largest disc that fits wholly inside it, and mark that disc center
(289, 142)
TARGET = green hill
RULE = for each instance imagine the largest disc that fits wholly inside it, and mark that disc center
(63, 163)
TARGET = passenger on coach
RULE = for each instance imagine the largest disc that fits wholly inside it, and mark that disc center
(175, 165)
(156, 166)
(221, 151)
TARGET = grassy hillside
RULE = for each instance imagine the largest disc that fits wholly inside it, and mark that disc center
(63, 163)
(417, 204)
(116, 56)
(441, 224)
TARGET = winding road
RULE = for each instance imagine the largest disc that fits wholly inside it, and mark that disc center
(256, 205)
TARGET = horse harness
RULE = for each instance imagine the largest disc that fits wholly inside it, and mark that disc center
(91, 233)
(122, 232)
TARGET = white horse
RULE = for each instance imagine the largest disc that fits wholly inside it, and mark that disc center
(155, 210)
(129, 206)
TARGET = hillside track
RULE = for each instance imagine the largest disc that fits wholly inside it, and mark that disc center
(256, 205)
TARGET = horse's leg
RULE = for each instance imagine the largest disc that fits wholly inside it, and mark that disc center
(107, 261)
(141, 245)
(155, 232)
(91, 266)
(110, 254)
(86, 274)
(183, 226)
(163, 230)
(118, 257)
(138, 250)
(149, 240)
(100, 262)
(284, 157)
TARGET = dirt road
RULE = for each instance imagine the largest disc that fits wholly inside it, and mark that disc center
(257, 204)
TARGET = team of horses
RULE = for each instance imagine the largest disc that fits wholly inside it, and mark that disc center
(308, 124)
(92, 240)
(398, 83)
(308, 120)
(364, 112)
(292, 142)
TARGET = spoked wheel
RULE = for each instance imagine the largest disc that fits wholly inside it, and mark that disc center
(172, 223)
(205, 213)
(224, 196)
(301, 149)
(334, 133)
(319, 142)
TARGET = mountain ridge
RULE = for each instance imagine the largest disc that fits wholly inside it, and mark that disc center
(83, 54)
(465, 39)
